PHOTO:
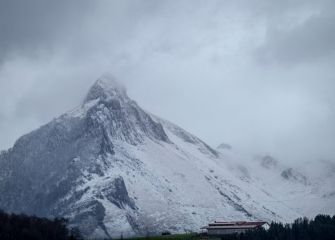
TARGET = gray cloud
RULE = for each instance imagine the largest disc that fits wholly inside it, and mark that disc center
(28, 27)
(206, 64)
(308, 40)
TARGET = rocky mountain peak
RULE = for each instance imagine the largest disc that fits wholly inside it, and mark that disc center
(114, 115)
(106, 88)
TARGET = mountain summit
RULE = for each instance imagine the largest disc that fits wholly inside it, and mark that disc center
(118, 116)
(111, 168)
(106, 88)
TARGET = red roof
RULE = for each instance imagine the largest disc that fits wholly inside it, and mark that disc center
(235, 225)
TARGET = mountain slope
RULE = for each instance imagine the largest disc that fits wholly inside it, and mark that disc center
(307, 187)
(112, 169)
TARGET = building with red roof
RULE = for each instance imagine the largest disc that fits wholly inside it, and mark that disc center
(224, 228)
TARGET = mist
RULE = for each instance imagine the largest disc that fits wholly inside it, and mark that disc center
(257, 75)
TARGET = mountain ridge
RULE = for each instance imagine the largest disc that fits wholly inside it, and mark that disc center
(112, 168)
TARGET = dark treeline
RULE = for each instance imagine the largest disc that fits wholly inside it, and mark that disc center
(322, 227)
(17, 227)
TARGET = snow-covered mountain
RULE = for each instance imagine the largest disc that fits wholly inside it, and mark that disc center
(306, 187)
(113, 168)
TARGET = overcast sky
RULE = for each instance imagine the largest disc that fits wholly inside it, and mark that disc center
(257, 74)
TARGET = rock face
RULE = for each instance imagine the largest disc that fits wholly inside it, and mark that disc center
(291, 175)
(112, 169)
(224, 146)
(269, 162)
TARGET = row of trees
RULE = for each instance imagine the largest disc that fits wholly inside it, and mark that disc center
(16, 227)
(322, 227)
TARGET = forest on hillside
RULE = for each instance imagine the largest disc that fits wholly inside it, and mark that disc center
(23, 227)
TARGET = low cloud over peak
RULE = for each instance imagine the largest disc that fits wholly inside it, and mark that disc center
(258, 74)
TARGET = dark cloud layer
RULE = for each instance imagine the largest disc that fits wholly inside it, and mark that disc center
(256, 74)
